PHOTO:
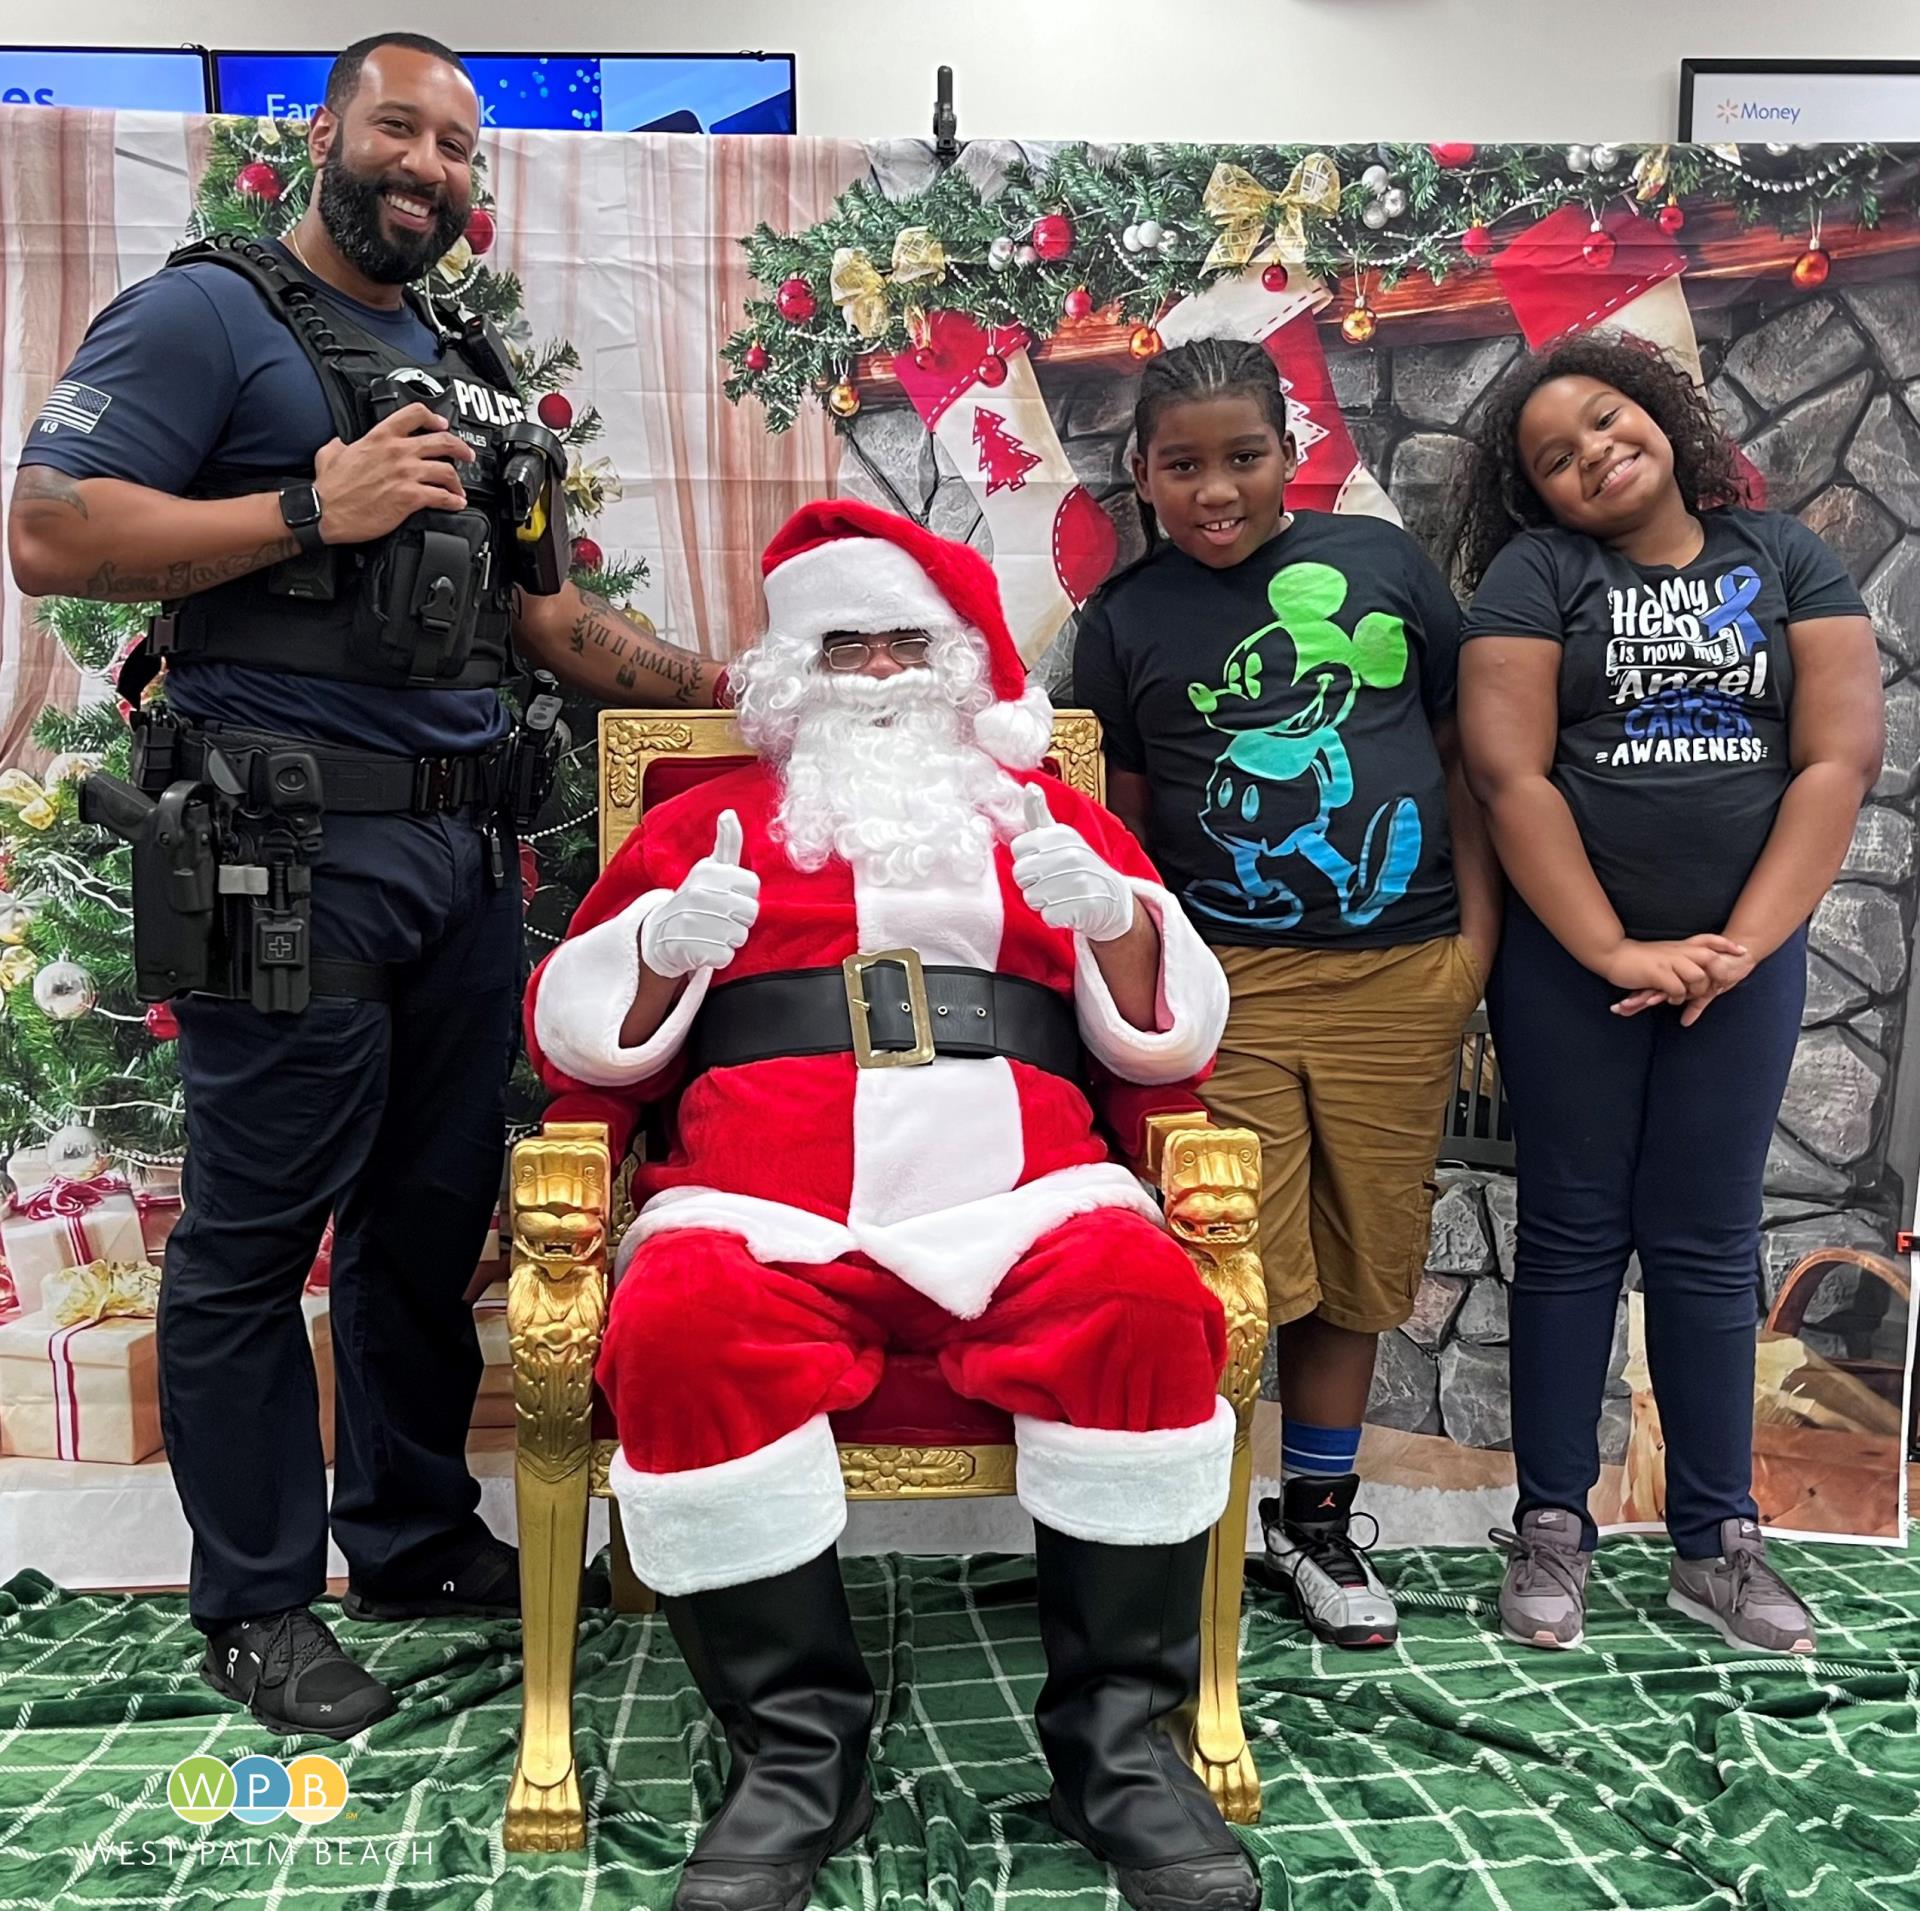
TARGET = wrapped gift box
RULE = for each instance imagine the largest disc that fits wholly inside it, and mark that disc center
(50, 1223)
(156, 1194)
(86, 1392)
(494, 1407)
(318, 1309)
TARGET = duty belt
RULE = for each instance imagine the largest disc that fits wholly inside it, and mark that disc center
(353, 782)
(889, 1010)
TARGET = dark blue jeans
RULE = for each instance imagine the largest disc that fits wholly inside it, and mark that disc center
(391, 1116)
(1638, 1135)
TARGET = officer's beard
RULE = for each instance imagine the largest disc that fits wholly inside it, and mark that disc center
(350, 210)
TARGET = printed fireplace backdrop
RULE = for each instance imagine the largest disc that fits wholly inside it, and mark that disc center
(721, 328)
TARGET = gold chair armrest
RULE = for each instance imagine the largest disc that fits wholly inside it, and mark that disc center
(1210, 1188)
(560, 1200)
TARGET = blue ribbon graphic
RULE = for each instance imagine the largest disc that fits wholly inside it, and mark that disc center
(1737, 589)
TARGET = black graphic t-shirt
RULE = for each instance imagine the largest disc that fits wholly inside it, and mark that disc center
(1674, 691)
(1282, 712)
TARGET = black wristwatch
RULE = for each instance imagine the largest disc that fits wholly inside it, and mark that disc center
(300, 507)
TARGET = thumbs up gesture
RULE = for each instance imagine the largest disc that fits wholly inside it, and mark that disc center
(707, 918)
(1063, 878)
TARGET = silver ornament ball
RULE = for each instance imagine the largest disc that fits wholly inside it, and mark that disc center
(1376, 179)
(1000, 253)
(1579, 159)
(1393, 202)
(1603, 157)
(74, 1151)
(1374, 217)
(64, 991)
(1779, 148)
(1131, 238)
(1026, 255)
(1152, 234)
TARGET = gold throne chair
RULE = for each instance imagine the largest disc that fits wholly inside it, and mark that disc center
(914, 1439)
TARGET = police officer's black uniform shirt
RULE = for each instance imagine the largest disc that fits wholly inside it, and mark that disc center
(1282, 712)
(1675, 686)
(191, 367)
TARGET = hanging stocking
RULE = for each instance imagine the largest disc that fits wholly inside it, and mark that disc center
(1052, 544)
(1564, 277)
(1331, 475)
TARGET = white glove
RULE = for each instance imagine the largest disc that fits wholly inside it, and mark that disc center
(707, 918)
(1064, 880)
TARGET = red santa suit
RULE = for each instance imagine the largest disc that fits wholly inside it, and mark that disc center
(815, 1213)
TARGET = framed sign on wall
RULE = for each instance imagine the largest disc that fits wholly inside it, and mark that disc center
(1799, 102)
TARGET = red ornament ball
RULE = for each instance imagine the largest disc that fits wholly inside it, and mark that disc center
(529, 873)
(587, 555)
(1477, 242)
(1670, 219)
(1274, 278)
(795, 300)
(1811, 269)
(1599, 248)
(1453, 153)
(554, 410)
(757, 359)
(1053, 236)
(926, 359)
(993, 370)
(480, 230)
(1145, 342)
(1078, 303)
(162, 1024)
(259, 181)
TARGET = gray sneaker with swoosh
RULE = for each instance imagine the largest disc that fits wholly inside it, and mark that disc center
(1543, 1597)
(1740, 1595)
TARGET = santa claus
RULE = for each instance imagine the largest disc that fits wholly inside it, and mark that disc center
(877, 969)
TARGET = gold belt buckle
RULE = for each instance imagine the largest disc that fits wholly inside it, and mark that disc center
(865, 1054)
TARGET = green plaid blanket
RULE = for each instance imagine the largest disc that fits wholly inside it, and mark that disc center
(1652, 1769)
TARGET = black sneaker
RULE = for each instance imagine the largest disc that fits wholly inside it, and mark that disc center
(484, 1584)
(289, 1671)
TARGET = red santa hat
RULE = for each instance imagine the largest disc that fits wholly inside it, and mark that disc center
(838, 564)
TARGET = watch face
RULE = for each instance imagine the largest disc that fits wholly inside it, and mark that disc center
(300, 504)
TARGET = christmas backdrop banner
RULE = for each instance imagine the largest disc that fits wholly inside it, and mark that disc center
(722, 328)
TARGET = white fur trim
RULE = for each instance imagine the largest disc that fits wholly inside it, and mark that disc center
(1125, 1489)
(955, 1256)
(745, 1519)
(1017, 735)
(853, 583)
(1193, 1000)
(586, 990)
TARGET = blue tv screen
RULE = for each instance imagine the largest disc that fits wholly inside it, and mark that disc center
(153, 79)
(570, 92)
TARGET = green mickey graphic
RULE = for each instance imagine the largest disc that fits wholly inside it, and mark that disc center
(1283, 777)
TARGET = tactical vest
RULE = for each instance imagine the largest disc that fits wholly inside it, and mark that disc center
(431, 604)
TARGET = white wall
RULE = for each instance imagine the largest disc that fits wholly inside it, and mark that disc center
(1144, 69)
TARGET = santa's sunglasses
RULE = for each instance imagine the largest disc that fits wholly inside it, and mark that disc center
(853, 653)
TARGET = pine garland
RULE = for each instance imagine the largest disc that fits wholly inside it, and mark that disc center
(1105, 194)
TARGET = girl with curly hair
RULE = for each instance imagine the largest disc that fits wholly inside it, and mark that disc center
(1670, 707)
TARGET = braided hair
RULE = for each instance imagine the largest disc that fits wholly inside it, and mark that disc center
(1204, 368)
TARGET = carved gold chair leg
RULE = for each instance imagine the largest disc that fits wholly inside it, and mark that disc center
(631, 1593)
(1210, 1181)
(556, 1307)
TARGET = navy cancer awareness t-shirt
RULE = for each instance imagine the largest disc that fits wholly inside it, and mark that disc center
(1675, 688)
(190, 368)
(1282, 712)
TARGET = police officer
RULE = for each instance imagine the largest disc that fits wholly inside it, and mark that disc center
(337, 600)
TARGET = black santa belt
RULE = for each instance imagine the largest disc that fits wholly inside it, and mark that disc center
(889, 1010)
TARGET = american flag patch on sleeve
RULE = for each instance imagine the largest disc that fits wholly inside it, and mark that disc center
(78, 407)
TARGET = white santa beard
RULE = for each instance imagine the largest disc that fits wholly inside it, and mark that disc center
(883, 774)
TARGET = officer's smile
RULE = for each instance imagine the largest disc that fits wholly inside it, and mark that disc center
(409, 210)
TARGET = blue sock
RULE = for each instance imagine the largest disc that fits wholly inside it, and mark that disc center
(1316, 1453)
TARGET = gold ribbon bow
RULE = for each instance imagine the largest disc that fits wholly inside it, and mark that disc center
(859, 288)
(855, 285)
(102, 1290)
(20, 792)
(1650, 173)
(1243, 209)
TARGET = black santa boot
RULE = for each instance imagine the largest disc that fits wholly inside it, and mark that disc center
(777, 1662)
(1121, 1627)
